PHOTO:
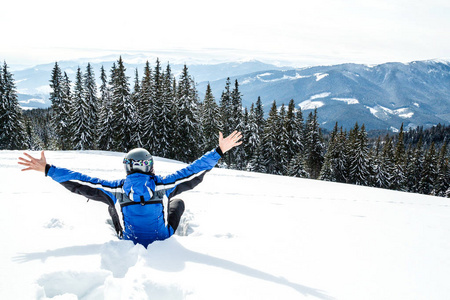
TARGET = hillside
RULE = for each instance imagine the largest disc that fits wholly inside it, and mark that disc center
(382, 96)
(245, 236)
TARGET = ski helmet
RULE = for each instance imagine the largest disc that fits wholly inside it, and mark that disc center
(138, 160)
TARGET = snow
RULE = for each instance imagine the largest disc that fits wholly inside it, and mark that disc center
(320, 76)
(260, 78)
(321, 95)
(308, 104)
(244, 236)
(383, 113)
(349, 101)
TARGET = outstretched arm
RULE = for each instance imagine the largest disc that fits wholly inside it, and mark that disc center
(230, 141)
(33, 163)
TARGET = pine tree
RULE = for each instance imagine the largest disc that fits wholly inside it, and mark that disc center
(428, 173)
(270, 143)
(250, 138)
(149, 109)
(293, 141)
(297, 162)
(283, 141)
(256, 126)
(33, 141)
(123, 109)
(167, 115)
(360, 168)
(210, 120)
(414, 168)
(189, 128)
(79, 115)
(136, 140)
(314, 146)
(159, 135)
(66, 108)
(328, 168)
(60, 117)
(40, 123)
(226, 108)
(90, 98)
(106, 131)
(443, 181)
(385, 171)
(12, 127)
(237, 155)
(399, 178)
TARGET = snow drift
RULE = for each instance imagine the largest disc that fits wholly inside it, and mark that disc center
(243, 236)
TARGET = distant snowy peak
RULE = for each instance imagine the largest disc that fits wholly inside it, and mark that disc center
(381, 96)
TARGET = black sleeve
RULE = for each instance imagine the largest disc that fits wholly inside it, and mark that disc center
(97, 195)
(219, 151)
(187, 185)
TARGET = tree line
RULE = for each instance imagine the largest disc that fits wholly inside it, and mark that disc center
(165, 115)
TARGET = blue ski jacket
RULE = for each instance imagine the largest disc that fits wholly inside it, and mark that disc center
(144, 199)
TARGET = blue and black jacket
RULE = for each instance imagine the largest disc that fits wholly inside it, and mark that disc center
(143, 198)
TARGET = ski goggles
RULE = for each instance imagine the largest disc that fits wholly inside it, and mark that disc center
(129, 161)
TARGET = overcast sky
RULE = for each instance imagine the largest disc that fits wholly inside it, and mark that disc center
(297, 32)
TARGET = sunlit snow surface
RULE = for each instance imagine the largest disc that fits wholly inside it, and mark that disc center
(244, 236)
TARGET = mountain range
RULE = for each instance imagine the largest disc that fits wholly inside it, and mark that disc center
(380, 96)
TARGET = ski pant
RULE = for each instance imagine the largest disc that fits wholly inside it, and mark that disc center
(176, 210)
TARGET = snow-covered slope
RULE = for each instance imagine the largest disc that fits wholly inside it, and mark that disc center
(382, 96)
(244, 236)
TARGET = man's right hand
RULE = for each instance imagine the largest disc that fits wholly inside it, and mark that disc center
(33, 163)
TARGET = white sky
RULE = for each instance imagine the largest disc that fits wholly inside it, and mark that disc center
(299, 32)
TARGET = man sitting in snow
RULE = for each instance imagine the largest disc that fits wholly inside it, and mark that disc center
(149, 211)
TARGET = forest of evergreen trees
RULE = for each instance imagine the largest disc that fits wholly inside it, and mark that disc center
(165, 115)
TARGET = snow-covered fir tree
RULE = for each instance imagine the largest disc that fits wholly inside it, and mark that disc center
(251, 138)
(225, 108)
(148, 109)
(105, 128)
(429, 172)
(189, 127)
(313, 146)
(12, 127)
(328, 171)
(33, 141)
(60, 114)
(293, 137)
(414, 167)
(270, 145)
(91, 100)
(283, 141)
(399, 178)
(210, 120)
(257, 125)
(123, 109)
(442, 183)
(237, 155)
(166, 114)
(136, 140)
(79, 115)
(160, 141)
(297, 163)
(387, 165)
(66, 108)
(359, 161)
